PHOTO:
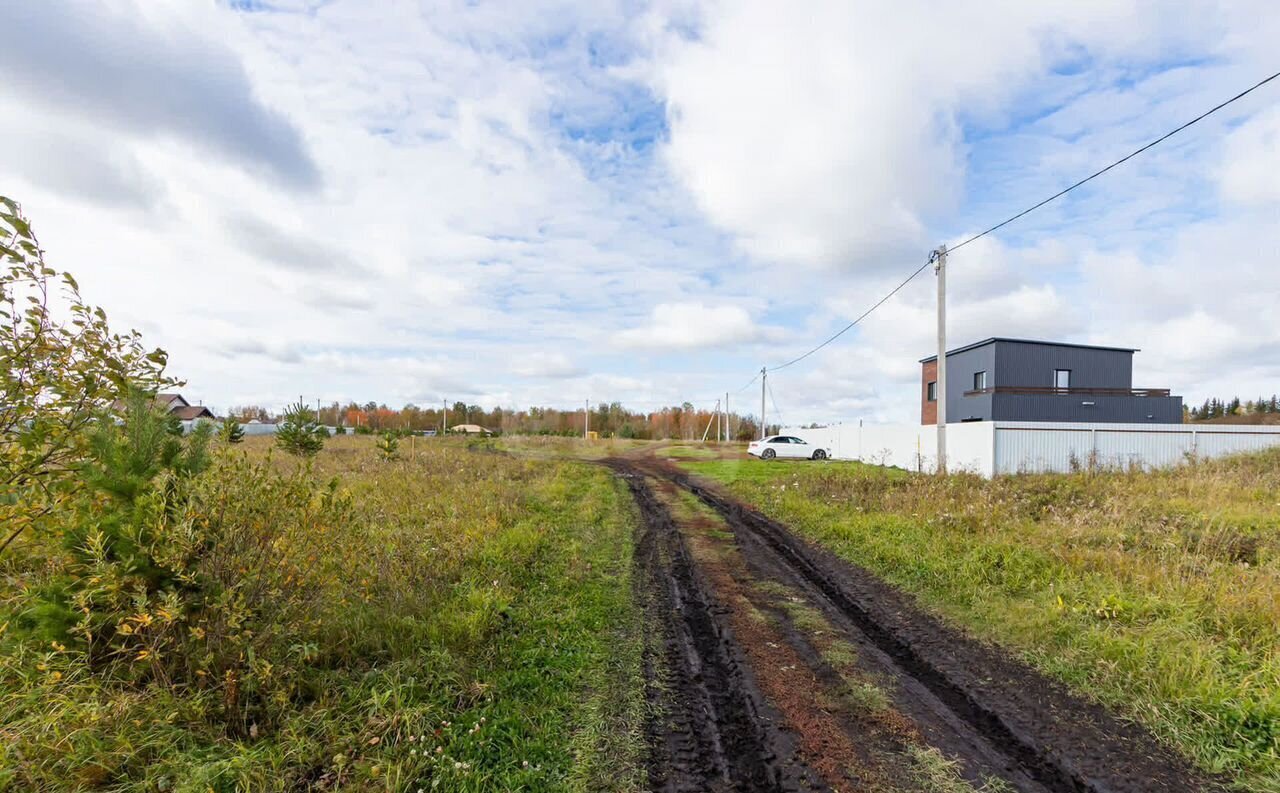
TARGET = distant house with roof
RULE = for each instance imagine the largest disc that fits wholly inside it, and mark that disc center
(176, 405)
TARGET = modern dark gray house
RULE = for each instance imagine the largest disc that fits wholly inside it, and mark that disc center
(1021, 380)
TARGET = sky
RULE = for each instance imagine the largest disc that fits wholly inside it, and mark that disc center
(541, 203)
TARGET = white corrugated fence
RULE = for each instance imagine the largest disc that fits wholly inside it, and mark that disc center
(1008, 447)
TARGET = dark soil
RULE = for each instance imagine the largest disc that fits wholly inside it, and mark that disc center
(712, 728)
(993, 714)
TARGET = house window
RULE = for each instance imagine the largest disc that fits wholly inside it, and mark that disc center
(931, 391)
(979, 381)
(1062, 378)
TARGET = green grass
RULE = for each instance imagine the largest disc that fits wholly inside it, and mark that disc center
(470, 627)
(1153, 592)
(682, 452)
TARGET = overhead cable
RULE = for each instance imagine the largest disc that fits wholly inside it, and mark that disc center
(1028, 211)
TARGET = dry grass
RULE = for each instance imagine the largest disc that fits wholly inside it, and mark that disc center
(454, 619)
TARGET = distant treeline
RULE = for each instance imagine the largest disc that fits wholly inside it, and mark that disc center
(683, 422)
(1218, 408)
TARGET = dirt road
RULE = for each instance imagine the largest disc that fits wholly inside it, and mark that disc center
(774, 666)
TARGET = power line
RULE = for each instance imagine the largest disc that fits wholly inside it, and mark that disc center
(1028, 211)
(1120, 161)
(849, 327)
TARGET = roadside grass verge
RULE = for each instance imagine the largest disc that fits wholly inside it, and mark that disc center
(452, 620)
(1155, 593)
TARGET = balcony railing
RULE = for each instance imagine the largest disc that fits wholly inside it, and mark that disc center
(1051, 391)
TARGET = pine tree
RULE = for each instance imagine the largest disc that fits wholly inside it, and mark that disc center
(1233, 409)
(387, 446)
(297, 433)
(230, 431)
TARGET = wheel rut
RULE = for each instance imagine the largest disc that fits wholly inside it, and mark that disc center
(712, 729)
(764, 636)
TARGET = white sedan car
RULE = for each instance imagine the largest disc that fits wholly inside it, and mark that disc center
(787, 446)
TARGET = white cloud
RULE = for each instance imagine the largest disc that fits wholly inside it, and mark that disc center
(830, 136)
(158, 70)
(496, 209)
(1251, 161)
(553, 365)
(687, 326)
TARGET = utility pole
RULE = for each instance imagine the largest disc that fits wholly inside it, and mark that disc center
(717, 419)
(726, 416)
(710, 419)
(940, 391)
(586, 419)
(764, 375)
(444, 416)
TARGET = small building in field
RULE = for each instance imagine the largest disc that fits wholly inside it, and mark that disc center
(1002, 379)
(469, 429)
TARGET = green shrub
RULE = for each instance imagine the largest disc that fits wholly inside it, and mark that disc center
(387, 446)
(298, 433)
(230, 431)
(61, 371)
(121, 552)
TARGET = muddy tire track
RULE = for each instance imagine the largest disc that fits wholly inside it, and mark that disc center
(712, 729)
(971, 698)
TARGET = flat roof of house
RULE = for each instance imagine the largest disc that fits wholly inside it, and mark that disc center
(995, 339)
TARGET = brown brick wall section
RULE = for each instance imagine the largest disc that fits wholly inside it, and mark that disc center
(928, 410)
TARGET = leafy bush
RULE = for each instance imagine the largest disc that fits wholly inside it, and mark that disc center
(61, 370)
(120, 552)
(298, 433)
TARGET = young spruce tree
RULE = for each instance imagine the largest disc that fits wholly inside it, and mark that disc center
(387, 445)
(230, 431)
(298, 433)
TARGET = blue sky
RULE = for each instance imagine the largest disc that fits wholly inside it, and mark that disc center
(545, 202)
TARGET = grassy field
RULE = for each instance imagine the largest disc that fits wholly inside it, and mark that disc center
(453, 620)
(1156, 593)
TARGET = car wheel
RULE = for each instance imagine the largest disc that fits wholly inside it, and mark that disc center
(819, 454)
(768, 454)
